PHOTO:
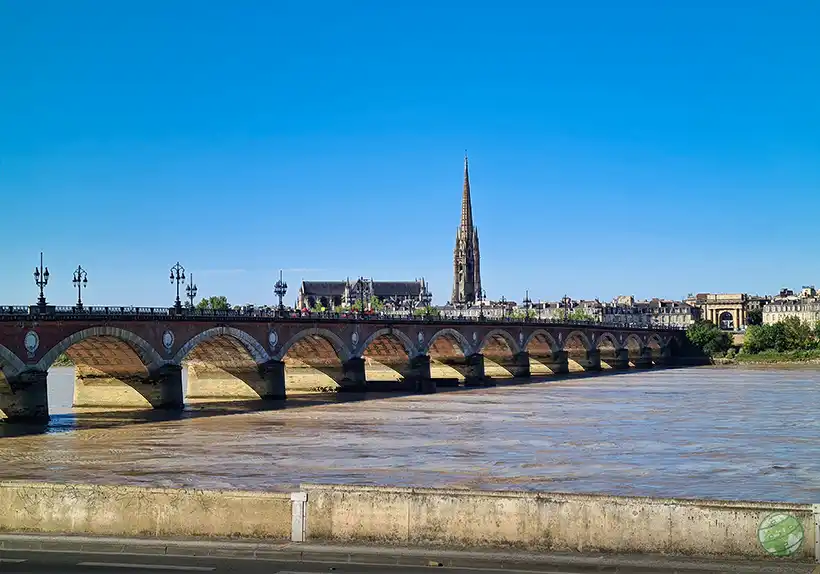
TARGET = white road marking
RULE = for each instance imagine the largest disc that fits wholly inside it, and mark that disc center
(13, 560)
(147, 566)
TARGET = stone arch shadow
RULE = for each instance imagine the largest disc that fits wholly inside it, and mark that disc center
(224, 364)
(610, 351)
(10, 366)
(501, 355)
(577, 345)
(449, 353)
(543, 351)
(114, 368)
(317, 360)
(391, 361)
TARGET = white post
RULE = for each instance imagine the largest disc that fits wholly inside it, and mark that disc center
(298, 516)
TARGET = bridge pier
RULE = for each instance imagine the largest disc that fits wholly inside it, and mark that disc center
(418, 374)
(161, 389)
(474, 371)
(591, 361)
(645, 360)
(619, 362)
(665, 359)
(25, 399)
(521, 365)
(353, 379)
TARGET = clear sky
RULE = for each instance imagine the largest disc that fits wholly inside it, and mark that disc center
(640, 147)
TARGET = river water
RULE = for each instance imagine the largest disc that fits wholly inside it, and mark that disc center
(726, 433)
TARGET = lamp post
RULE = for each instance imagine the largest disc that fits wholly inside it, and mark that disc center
(527, 302)
(178, 276)
(503, 307)
(361, 296)
(80, 280)
(280, 289)
(41, 280)
(190, 290)
(482, 295)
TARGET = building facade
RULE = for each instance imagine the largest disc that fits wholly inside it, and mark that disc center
(329, 295)
(804, 305)
(466, 256)
(729, 311)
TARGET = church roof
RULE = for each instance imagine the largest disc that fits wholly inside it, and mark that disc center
(394, 288)
(323, 287)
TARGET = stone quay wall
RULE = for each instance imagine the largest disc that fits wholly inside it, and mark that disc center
(547, 521)
(446, 518)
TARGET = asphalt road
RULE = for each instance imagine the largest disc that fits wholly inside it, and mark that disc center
(55, 562)
(50, 562)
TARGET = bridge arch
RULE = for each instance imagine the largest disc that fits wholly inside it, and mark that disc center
(405, 341)
(541, 336)
(10, 364)
(147, 354)
(607, 337)
(255, 350)
(387, 355)
(655, 338)
(578, 336)
(634, 344)
(454, 336)
(315, 360)
(113, 367)
(498, 335)
(341, 350)
(223, 363)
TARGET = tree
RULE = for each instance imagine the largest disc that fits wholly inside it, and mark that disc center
(754, 317)
(706, 336)
(580, 315)
(217, 303)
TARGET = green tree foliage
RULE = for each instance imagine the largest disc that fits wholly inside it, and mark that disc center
(754, 317)
(426, 312)
(580, 315)
(217, 303)
(790, 334)
(374, 304)
(706, 336)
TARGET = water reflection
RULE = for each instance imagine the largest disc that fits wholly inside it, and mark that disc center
(706, 432)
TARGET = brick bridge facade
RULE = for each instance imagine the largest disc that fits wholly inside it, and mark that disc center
(137, 362)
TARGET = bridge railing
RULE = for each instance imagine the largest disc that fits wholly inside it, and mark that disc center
(130, 312)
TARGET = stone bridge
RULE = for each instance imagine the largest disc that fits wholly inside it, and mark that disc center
(137, 360)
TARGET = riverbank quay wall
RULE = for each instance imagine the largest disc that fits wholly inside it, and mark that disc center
(446, 518)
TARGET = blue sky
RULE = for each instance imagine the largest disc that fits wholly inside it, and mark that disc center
(637, 147)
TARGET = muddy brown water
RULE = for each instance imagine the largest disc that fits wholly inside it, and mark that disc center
(727, 433)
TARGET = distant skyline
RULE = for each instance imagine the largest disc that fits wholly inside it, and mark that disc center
(615, 149)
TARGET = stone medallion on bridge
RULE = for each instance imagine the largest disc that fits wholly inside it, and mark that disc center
(355, 338)
(420, 337)
(31, 342)
(521, 339)
(475, 337)
(168, 339)
(273, 339)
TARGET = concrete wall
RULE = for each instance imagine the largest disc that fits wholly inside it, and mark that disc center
(404, 516)
(135, 511)
(554, 522)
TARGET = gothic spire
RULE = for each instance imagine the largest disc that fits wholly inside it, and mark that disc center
(466, 202)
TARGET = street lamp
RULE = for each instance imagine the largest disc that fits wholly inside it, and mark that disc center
(41, 280)
(190, 290)
(178, 276)
(527, 302)
(80, 280)
(280, 289)
(426, 299)
(503, 307)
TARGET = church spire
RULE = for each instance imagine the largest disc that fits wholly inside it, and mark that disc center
(466, 265)
(466, 202)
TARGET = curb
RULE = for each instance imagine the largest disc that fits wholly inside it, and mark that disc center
(393, 556)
